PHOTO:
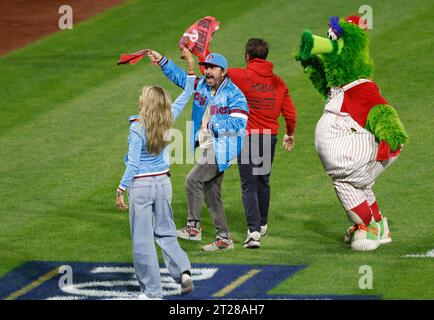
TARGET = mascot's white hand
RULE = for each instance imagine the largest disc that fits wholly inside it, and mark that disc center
(288, 142)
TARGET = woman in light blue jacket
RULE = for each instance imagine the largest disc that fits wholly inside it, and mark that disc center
(150, 191)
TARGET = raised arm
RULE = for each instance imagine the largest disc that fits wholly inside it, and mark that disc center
(183, 98)
(175, 74)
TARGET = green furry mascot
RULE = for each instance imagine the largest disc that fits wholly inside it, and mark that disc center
(359, 134)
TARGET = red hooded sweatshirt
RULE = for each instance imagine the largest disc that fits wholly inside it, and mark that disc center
(267, 96)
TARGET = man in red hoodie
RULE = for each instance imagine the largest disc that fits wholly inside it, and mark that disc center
(267, 97)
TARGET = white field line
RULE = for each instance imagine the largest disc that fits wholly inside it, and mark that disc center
(429, 254)
(197, 274)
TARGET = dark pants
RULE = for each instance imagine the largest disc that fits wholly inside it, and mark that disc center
(254, 165)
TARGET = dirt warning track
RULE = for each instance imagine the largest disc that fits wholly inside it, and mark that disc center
(24, 21)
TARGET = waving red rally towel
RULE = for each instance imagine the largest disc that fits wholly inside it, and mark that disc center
(131, 58)
(197, 38)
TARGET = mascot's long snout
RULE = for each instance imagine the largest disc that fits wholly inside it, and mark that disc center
(311, 45)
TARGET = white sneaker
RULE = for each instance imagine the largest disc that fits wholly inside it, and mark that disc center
(189, 233)
(365, 238)
(186, 283)
(143, 296)
(385, 235)
(219, 244)
(264, 231)
(253, 240)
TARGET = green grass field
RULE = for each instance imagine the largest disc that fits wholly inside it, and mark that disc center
(63, 117)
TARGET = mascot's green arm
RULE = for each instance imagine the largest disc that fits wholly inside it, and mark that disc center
(384, 123)
(314, 69)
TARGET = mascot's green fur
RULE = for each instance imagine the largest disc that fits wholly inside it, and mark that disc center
(348, 61)
(359, 134)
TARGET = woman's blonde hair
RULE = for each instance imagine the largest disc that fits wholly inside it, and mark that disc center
(155, 108)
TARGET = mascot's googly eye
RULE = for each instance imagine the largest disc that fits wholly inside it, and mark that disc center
(332, 35)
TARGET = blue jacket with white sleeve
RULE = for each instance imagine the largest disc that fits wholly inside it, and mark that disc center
(228, 108)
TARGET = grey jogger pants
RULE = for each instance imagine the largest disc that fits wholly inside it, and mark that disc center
(205, 180)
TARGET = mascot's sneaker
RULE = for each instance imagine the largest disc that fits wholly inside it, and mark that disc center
(189, 233)
(385, 235)
(253, 240)
(365, 238)
(348, 234)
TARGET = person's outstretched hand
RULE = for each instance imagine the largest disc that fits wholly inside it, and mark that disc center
(153, 55)
(288, 142)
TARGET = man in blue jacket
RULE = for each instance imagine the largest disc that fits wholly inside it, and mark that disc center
(219, 116)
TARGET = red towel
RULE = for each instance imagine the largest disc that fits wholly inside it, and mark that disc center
(131, 58)
(197, 38)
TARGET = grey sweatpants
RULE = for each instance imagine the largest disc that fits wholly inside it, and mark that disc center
(205, 180)
(151, 218)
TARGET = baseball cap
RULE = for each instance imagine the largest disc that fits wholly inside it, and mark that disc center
(215, 59)
(357, 21)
